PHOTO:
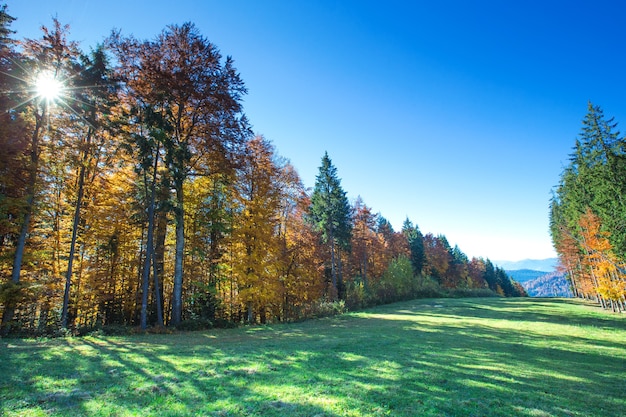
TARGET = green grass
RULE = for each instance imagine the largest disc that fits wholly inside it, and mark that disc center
(444, 357)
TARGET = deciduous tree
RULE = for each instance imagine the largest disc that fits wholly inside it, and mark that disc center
(182, 76)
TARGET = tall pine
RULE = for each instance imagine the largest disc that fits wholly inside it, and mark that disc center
(331, 215)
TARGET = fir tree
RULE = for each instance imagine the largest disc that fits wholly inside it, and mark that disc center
(416, 245)
(331, 216)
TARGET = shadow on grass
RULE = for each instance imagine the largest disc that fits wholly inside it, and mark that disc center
(467, 357)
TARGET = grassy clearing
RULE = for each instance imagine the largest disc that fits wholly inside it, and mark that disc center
(444, 357)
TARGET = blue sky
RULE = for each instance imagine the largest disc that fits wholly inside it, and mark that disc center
(460, 115)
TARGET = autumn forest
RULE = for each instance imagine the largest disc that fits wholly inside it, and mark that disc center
(134, 193)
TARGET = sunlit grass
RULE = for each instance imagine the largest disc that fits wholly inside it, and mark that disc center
(472, 357)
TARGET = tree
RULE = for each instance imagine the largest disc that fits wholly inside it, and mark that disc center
(182, 77)
(14, 143)
(255, 231)
(331, 215)
(458, 273)
(301, 260)
(93, 99)
(476, 272)
(591, 192)
(364, 240)
(416, 245)
(603, 266)
(51, 57)
(437, 256)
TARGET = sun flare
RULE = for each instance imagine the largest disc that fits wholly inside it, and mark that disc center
(47, 86)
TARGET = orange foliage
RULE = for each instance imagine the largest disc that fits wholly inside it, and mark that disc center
(599, 260)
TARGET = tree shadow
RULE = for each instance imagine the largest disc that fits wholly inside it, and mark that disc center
(465, 357)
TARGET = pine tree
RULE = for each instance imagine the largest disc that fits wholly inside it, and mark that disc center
(416, 245)
(331, 215)
(592, 187)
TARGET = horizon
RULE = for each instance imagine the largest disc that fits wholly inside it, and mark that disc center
(459, 117)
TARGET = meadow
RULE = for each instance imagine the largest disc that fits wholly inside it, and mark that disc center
(429, 357)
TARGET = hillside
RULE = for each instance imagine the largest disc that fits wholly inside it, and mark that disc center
(548, 285)
(523, 275)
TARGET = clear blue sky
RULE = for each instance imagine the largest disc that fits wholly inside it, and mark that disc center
(457, 114)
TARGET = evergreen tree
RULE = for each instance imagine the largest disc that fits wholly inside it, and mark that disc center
(5, 23)
(416, 245)
(490, 275)
(593, 185)
(331, 215)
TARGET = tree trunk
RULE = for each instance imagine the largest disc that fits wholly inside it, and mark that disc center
(333, 270)
(250, 310)
(159, 256)
(145, 283)
(177, 296)
(157, 291)
(70, 261)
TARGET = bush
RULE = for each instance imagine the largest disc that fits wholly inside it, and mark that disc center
(195, 324)
(426, 287)
(357, 296)
(115, 330)
(324, 308)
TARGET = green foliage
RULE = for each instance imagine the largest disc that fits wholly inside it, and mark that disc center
(331, 215)
(426, 287)
(416, 245)
(330, 211)
(357, 296)
(397, 283)
(594, 184)
(195, 324)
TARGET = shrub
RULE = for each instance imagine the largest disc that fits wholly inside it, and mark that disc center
(195, 324)
(324, 308)
(115, 330)
(357, 296)
(426, 287)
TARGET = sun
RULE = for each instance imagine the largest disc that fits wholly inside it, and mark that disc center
(48, 87)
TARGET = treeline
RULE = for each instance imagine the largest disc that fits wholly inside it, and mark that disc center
(132, 192)
(588, 213)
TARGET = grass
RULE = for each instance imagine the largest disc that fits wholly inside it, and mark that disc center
(444, 357)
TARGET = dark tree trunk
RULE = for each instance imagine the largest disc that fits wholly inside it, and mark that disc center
(177, 296)
(76, 222)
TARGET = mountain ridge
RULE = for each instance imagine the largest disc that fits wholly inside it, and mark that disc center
(553, 284)
(543, 265)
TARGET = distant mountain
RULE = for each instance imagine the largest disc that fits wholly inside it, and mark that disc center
(545, 265)
(548, 285)
(524, 275)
